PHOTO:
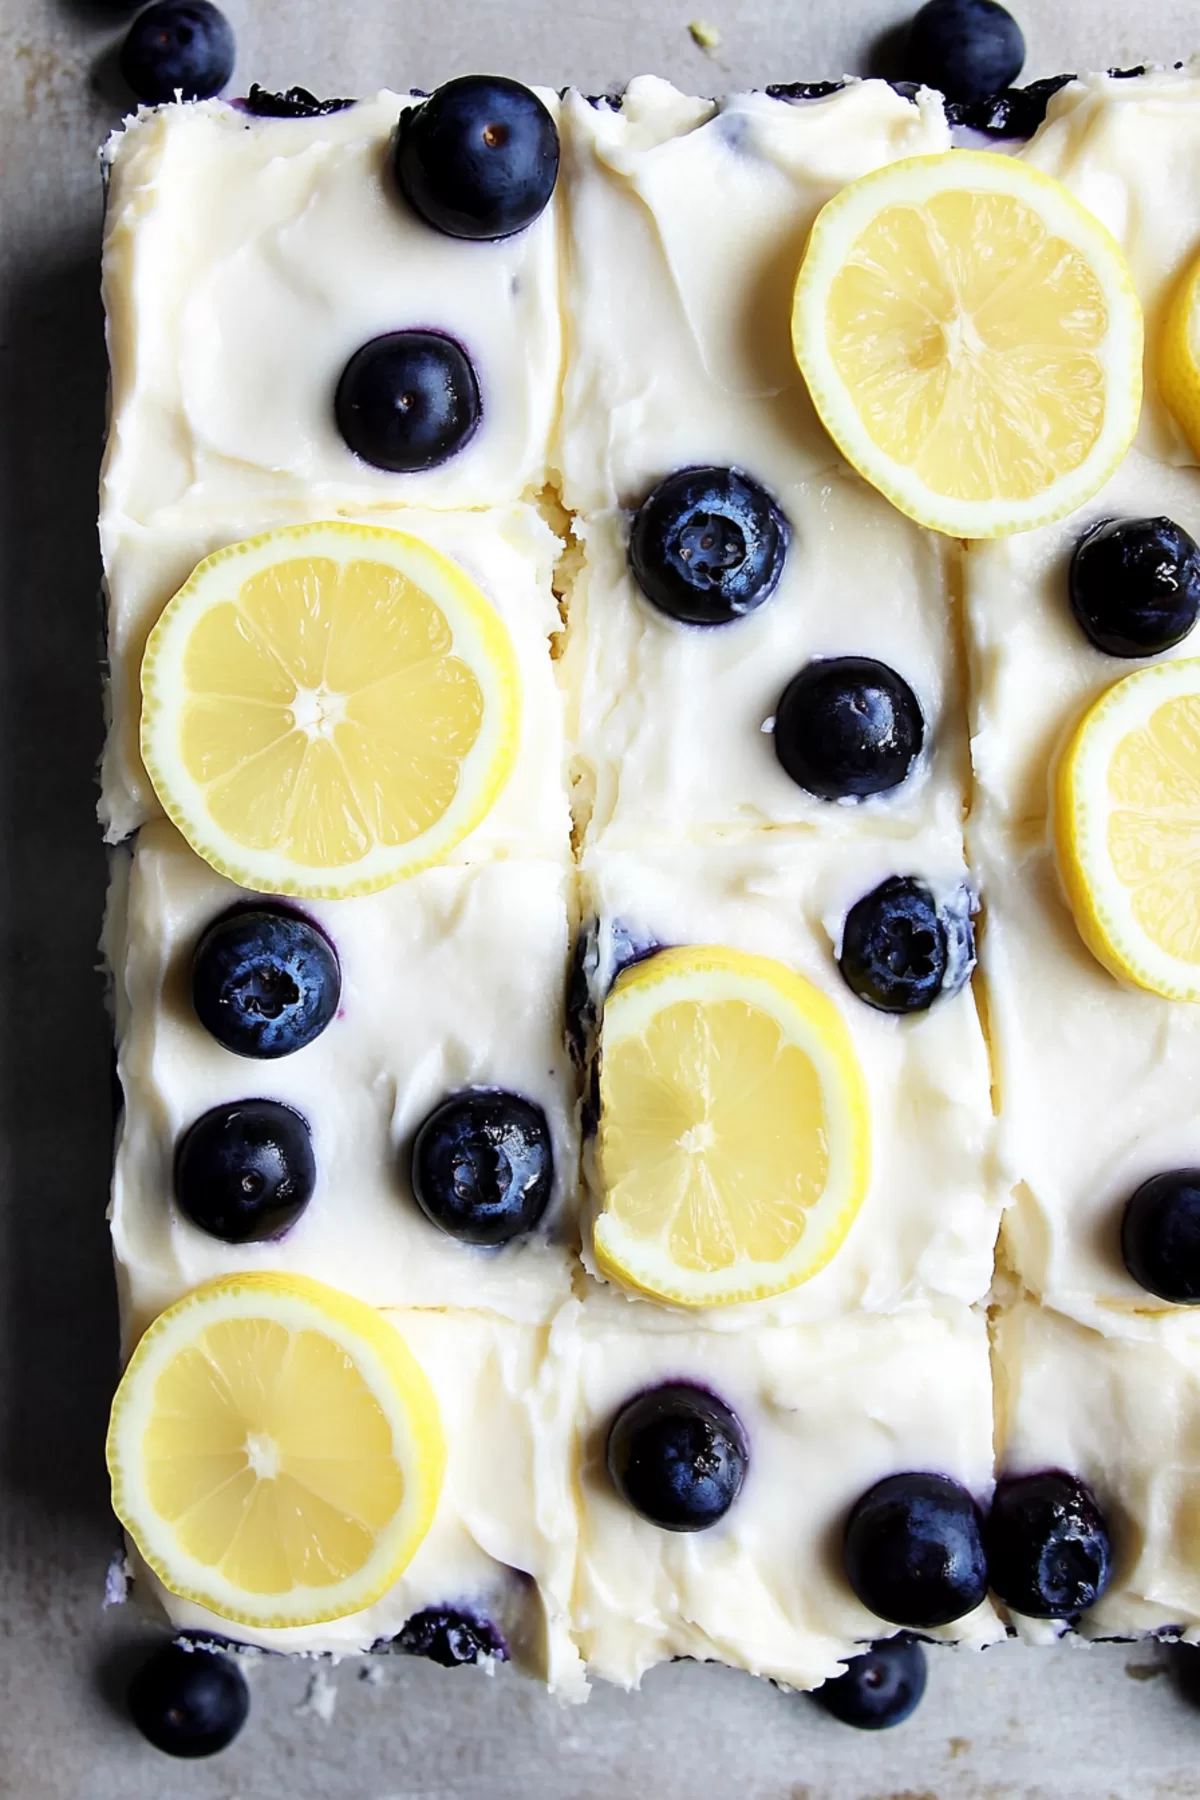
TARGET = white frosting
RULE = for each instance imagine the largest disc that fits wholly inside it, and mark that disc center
(246, 260)
(451, 979)
(928, 1225)
(1125, 1417)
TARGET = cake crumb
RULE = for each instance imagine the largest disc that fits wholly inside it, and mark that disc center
(706, 36)
(319, 1700)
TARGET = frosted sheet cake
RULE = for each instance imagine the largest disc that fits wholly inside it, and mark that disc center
(582, 686)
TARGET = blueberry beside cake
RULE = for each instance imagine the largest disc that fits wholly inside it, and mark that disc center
(653, 771)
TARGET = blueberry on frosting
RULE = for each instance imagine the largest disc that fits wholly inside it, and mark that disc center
(913, 1551)
(479, 158)
(1048, 1549)
(901, 951)
(879, 1689)
(967, 49)
(408, 400)
(183, 47)
(678, 1456)
(293, 103)
(708, 546)
(265, 982)
(1160, 1236)
(848, 727)
(1013, 113)
(1135, 585)
(483, 1166)
(453, 1638)
(189, 1702)
(244, 1172)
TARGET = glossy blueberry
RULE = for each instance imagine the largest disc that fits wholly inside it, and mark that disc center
(914, 1551)
(451, 1638)
(602, 950)
(483, 1166)
(479, 158)
(848, 727)
(1013, 113)
(408, 400)
(1135, 585)
(293, 103)
(901, 951)
(245, 1172)
(882, 1687)
(967, 49)
(708, 546)
(178, 46)
(1047, 1543)
(189, 1702)
(1160, 1236)
(265, 982)
(803, 90)
(677, 1455)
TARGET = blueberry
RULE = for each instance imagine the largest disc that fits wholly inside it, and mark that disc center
(966, 48)
(483, 1166)
(803, 90)
(848, 727)
(1012, 113)
(265, 982)
(900, 951)
(1135, 585)
(708, 546)
(1160, 1236)
(183, 46)
(479, 158)
(294, 103)
(189, 1702)
(882, 1687)
(1048, 1548)
(245, 1172)
(408, 400)
(602, 951)
(914, 1551)
(677, 1455)
(451, 1638)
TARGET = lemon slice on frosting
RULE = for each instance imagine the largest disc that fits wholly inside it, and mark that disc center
(275, 1451)
(328, 708)
(1127, 828)
(734, 1138)
(1179, 356)
(972, 341)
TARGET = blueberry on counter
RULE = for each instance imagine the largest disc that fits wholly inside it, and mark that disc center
(293, 103)
(900, 951)
(1160, 1236)
(452, 1638)
(1048, 1549)
(708, 546)
(265, 981)
(848, 727)
(189, 1702)
(408, 400)
(244, 1172)
(479, 158)
(913, 1551)
(967, 49)
(879, 1689)
(483, 1166)
(178, 46)
(1135, 585)
(678, 1456)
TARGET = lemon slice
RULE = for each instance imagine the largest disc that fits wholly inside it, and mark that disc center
(972, 340)
(1127, 828)
(1179, 356)
(275, 1451)
(328, 708)
(734, 1138)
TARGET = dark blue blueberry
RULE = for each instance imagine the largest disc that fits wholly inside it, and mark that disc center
(451, 1638)
(901, 951)
(183, 46)
(882, 1687)
(803, 90)
(1048, 1549)
(1160, 1236)
(245, 1172)
(601, 951)
(678, 1456)
(294, 103)
(483, 1166)
(408, 400)
(479, 158)
(708, 546)
(967, 49)
(265, 982)
(1013, 113)
(189, 1702)
(914, 1551)
(848, 727)
(1135, 585)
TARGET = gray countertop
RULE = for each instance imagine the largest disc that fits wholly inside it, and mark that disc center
(1068, 1724)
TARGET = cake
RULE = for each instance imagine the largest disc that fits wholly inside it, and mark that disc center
(968, 1319)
